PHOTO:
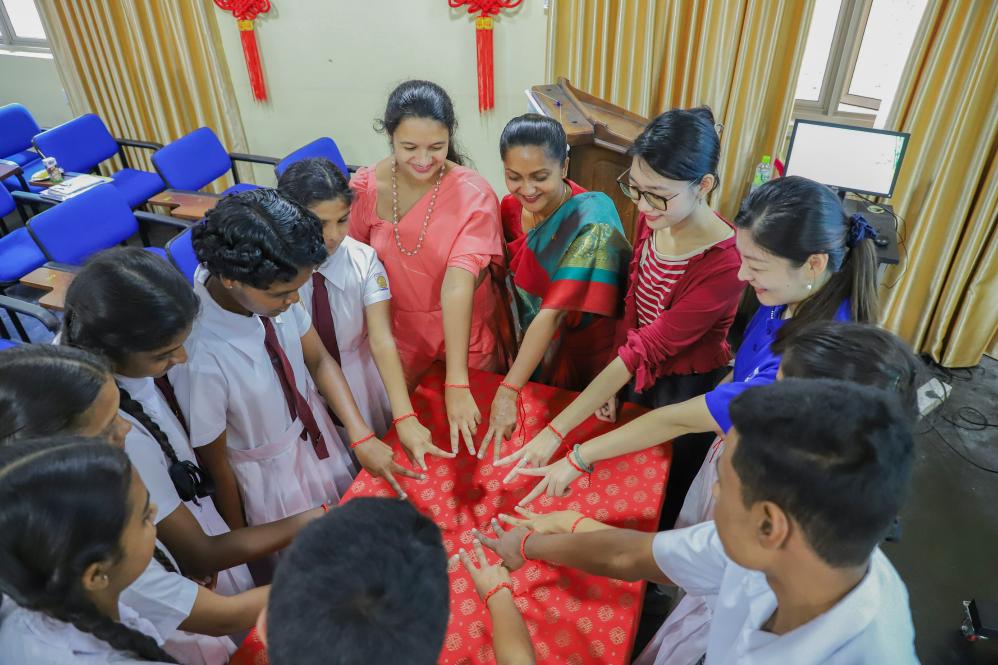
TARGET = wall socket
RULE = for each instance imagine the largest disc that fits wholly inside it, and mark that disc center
(931, 394)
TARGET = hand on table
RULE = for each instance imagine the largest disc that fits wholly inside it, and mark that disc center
(559, 521)
(483, 576)
(556, 479)
(463, 416)
(536, 453)
(378, 459)
(506, 544)
(608, 412)
(417, 442)
(502, 422)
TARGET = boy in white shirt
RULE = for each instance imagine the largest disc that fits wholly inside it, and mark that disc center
(811, 480)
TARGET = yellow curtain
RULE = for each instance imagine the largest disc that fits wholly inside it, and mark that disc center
(945, 300)
(151, 70)
(740, 57)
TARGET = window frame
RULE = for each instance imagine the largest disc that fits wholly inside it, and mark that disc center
(10, 40)
(850, 28)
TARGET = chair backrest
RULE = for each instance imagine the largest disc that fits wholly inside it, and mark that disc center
(180, 251)
(78, 145)
(192, 161)
(7, 204)
(321, 147)
(76, 228)
(17, 128)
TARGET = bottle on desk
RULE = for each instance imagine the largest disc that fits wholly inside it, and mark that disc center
(54, 170)
(763, 172)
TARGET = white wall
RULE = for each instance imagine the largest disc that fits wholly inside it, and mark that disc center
(329, 67)
(32, 80)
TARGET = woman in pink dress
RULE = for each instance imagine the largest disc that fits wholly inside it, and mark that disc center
(435, 226)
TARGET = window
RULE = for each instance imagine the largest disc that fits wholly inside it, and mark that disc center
(21, 25)
(854, 58)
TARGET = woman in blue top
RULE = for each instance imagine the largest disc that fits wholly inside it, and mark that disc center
(806, 261)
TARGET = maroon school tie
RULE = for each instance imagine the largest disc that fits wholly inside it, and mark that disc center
(297, 405)
(322, 316)
(166, 389)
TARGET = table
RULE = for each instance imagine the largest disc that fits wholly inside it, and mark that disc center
(191, 206)
(53, 280)
(572, 617)
(9, 168)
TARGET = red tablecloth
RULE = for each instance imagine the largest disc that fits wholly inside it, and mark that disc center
(572, 617)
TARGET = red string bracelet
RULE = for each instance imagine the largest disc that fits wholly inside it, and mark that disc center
(360, 441)
(457, 385)
(496, 589)
(576, 523)
(523, 545)
(558, 434)
(411, 414)
(510, 386)
(574, 464)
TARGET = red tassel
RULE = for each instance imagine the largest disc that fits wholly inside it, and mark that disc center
(486, 68)
(252, 55)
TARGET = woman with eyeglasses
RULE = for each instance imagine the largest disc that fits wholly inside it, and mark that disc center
(681, 299)
(568, 260)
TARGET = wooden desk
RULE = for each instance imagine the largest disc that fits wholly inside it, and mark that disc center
(53, 280)
(191, 206)
(8, 169)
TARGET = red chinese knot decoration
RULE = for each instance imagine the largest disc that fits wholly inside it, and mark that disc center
(245, 12)
(483, 40)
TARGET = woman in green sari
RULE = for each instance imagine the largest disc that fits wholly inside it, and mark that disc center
(568, 260)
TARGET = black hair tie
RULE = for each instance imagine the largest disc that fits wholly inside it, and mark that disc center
(859, 230)
(191, 481)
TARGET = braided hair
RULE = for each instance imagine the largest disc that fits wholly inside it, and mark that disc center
(45, 389)
(49, 539)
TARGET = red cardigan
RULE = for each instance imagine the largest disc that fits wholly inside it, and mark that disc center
(690, 335)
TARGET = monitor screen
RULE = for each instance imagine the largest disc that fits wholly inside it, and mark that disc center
(851, 158)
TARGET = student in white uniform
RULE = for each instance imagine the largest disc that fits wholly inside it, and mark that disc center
(857, 352)
(137, 310)
(354, 318)
(250, 389)
(50, 390)
(810, 481)
(66, 556)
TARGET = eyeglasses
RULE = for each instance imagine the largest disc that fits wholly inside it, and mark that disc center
(633, 193)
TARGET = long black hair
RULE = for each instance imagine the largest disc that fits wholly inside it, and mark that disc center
(63, 507)
(681, 144)
(534, 129)
(421, 99)
(126, 300)
(857, 352)
(314, 180)
(793, 218)
(259, 237)
(45, 389)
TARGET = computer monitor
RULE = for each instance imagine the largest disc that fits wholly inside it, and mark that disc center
(848, 158)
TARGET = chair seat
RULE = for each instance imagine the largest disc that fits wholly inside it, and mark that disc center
(241, 187)
(19, 255)
(23, 157)
(158, 251)
(12, 183)
(137, 186)
(7, 344)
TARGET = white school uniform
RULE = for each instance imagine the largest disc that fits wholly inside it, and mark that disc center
(165, 600)
(230, 385)
(355, 278)
(153, 467)
(870, 625)
(32, 638)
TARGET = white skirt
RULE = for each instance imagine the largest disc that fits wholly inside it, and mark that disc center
(285, 477)
(367, 387)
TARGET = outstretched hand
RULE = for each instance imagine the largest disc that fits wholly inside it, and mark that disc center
(378, 459)
(555, 480)
(506, 544)
(417, 442)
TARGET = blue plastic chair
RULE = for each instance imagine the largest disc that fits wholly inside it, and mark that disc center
(321, 147)
(19, 254)
(194, 161)
(15, 307)
(81, 144)
(17, 128)
(180, 251)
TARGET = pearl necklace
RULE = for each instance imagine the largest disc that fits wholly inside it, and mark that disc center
(395, 210)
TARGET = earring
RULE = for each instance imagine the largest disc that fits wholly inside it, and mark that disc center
(810, 286)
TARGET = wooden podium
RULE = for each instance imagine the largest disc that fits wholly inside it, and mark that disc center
(600, 134)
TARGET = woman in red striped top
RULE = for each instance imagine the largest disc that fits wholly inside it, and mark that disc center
(681, 298)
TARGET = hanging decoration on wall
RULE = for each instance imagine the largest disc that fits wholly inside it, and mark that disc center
(245, 12)
(483, 40)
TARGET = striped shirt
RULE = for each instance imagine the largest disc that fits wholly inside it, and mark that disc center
(657, 274)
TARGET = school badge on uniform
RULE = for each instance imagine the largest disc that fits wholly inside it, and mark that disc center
(382, 282)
